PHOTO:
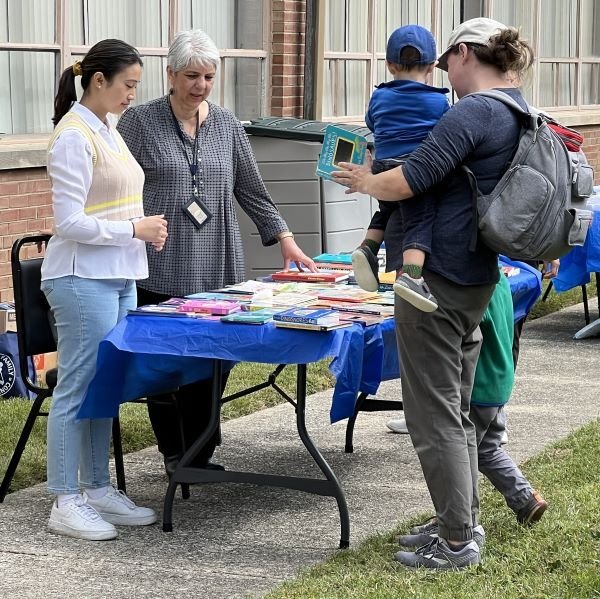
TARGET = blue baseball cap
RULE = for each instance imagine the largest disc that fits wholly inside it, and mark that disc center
(415, 36)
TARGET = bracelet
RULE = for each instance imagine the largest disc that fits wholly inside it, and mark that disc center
(133, 225)
(285, 235)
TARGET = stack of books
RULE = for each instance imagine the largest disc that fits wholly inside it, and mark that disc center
(309, 319)
(323, 276)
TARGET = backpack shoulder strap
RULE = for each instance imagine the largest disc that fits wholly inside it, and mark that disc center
(504, 98)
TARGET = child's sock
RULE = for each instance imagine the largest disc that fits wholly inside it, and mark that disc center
(412, 270)
(372, 245)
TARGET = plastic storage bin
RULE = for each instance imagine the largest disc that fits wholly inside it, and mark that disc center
(322, 217)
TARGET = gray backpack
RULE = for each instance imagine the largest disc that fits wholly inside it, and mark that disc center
(537, 211)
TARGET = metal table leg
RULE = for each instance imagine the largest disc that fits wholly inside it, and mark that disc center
(187, 474)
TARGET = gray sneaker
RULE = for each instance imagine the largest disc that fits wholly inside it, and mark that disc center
(437, 555)
(429, 531)
(366, 268)
(415, 292)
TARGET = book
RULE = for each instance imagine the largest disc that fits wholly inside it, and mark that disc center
(250, 317)
(334, 266)
(365, 320)
(310, 277)
(355, 308)
(335, 258)
(214, 307)
(310, 327)
(340, 145)
(347, 294)
(316, 316)
(288, 299)
(160, 310)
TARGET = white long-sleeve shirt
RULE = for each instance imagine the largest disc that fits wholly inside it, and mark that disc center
(83, 245)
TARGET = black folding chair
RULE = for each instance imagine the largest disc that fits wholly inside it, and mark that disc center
(35, 336)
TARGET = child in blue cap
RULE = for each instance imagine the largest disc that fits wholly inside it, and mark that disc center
(401, 114)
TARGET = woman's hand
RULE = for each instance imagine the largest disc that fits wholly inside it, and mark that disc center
(550, 268)
(152, 229)
(291, 252)
(354, 176)
(40, 245)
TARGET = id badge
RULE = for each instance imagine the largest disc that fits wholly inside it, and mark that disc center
(197, 212)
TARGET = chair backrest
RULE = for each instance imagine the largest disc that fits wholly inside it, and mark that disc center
(34, 332)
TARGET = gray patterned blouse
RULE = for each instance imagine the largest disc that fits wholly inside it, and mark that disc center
(198, 259)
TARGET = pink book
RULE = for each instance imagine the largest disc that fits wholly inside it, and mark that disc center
(214, 307)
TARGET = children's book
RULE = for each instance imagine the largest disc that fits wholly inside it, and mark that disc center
(335, 258)
(310, 277)
(214, 307)
(250, 317)
(316, 316)
(365, 319)
(310, 327)
(355, 308)
(161, 310)
(293, 299)
(340, 145)
(346, 294)
(334, 266)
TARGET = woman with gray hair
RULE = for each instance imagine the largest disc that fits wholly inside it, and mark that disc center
(197, 160)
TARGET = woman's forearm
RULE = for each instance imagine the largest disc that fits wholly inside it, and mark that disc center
(389, 186)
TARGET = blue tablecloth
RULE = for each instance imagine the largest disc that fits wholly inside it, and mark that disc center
(146, 355)
(576, 266)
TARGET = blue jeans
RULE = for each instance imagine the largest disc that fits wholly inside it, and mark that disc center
(84, 311)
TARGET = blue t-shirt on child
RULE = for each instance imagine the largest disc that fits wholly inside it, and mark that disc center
(401, 114)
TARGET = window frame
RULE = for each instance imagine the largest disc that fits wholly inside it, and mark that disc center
(64, 51)
(576, 114)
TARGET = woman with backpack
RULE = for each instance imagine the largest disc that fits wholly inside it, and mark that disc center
(439, 350)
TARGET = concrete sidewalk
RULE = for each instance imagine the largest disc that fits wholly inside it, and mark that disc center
(234, 540)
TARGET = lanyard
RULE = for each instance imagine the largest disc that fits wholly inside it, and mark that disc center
(193, 164)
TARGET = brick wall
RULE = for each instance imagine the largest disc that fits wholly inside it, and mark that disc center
(287, 70)
(25, 207)
(591, 147)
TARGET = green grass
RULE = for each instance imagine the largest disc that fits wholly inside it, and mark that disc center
(135, 427)
(558, 301)
(557, 558)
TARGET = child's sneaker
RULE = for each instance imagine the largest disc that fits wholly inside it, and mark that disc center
(415, 292)
(115, 507)
(533, 511)
(76, 518)
(366, 268)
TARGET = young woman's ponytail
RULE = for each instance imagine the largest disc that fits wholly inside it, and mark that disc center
(66, 94)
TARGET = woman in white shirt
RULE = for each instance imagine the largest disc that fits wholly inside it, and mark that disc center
(89, 271)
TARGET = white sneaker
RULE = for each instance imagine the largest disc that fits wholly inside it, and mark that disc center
(398, 426)
(115, 507)
(78, 519)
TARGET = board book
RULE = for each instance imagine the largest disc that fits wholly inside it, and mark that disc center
(340, 145)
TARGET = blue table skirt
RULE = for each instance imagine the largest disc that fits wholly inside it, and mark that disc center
(146, 355)
(576, 266)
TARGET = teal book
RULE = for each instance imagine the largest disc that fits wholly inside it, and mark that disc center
(340, 145)
(253, 317)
